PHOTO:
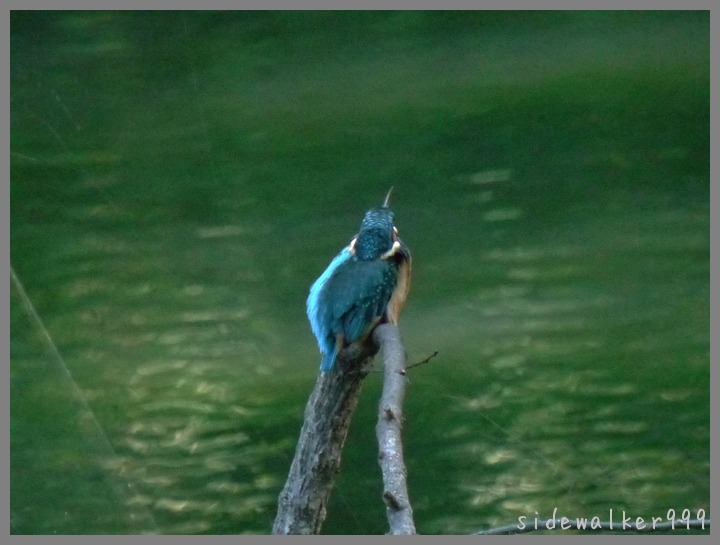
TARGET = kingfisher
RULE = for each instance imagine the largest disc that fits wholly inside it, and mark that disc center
(366, 284)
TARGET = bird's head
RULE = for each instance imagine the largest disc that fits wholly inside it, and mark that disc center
(377, 233)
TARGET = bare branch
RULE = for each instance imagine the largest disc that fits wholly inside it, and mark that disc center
(388, 429)
(302, 502)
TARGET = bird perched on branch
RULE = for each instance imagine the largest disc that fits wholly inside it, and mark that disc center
(366, 284)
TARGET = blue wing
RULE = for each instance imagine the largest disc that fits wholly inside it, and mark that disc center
(318, 315)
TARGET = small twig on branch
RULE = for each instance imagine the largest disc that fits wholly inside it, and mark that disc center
(423, 362)
(388, 429)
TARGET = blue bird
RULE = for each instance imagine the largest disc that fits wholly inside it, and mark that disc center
(366, 284)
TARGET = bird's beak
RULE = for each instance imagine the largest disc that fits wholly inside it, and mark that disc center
(386, 202)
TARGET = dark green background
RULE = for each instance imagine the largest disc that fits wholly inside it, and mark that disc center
(178, 180)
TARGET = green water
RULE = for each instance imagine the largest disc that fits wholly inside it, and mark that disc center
(178, 180)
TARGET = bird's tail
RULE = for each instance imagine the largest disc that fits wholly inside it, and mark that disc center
(328, 361)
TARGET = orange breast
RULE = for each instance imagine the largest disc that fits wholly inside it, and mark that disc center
(399, 296)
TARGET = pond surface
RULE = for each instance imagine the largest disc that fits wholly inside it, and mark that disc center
(178, 180)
